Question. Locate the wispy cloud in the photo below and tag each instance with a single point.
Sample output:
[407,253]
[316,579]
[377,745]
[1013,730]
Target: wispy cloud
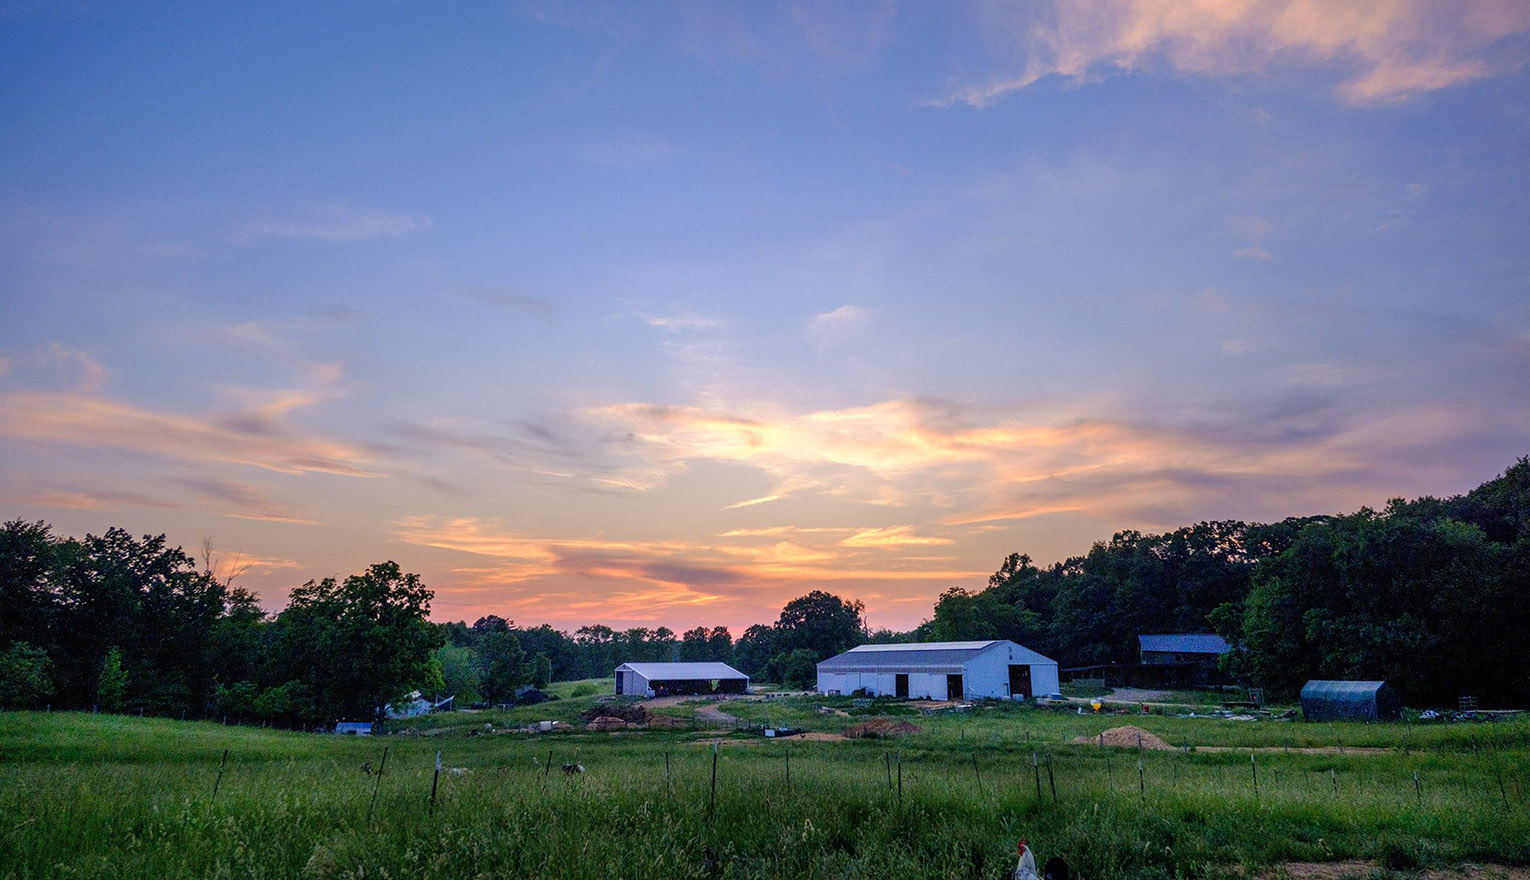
[693,571]
[1379,50]
[512,302]
[255,434]
[814,40]
[90,499]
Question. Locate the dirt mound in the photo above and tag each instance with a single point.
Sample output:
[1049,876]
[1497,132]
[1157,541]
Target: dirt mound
[1128,737]
[881,728]
[633,712]
[606,722]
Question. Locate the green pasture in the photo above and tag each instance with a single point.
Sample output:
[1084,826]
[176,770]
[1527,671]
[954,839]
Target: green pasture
[108,796]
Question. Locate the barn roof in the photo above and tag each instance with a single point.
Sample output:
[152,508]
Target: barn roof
[933,656]
[682,671]
[1185,643]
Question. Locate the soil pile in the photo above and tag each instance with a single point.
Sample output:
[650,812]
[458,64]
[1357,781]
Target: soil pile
[1128,737]
[881,728]
[606,722]
[632,712]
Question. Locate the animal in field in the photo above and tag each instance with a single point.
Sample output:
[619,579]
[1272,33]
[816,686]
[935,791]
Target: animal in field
[1056,868]
[572,769]
[366,768]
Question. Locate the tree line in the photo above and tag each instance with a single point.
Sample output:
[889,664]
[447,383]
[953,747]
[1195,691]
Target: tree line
[1431,594]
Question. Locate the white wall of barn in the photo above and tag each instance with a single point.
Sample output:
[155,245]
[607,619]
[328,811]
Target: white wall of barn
[983,676]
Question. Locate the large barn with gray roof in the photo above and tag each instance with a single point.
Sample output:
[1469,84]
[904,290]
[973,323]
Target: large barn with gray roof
[998,669]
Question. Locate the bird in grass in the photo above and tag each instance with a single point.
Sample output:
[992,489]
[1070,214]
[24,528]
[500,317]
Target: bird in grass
[1056,868]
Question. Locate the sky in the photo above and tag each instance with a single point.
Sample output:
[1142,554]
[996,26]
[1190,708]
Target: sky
[657,314]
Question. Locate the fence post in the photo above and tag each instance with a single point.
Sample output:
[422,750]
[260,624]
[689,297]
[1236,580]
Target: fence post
[1036,769]
[219,781]
[712,804]
[434,782]
[377,784]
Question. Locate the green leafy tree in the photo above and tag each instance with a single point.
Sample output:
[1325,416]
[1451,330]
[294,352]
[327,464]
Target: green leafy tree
[504,667]
[693,645]
[26,676]
[360,643]
[755,648]
[822,623]
[460,672]
[794,669]
[541,671]
[111,686]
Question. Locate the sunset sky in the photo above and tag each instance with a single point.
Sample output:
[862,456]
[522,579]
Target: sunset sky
[663,314]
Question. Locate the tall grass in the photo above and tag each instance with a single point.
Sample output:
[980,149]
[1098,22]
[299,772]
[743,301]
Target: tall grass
[99,796]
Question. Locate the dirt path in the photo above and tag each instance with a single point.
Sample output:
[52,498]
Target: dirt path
[714,712]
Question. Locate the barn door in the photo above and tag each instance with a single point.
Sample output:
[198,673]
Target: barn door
[1020,681]
[900,685]
[954,687]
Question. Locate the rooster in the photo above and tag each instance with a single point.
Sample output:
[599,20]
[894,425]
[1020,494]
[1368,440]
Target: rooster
[1056,868]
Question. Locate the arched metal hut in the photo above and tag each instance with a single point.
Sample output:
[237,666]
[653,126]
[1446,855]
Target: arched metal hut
[1350,701]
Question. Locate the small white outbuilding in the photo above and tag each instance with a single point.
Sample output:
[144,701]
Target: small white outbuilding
[998,669]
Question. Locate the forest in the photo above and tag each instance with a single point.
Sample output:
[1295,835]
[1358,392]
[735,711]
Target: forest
[1429,594]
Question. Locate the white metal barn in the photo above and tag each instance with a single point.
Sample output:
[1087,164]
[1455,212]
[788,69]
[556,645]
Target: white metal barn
[998,669]
[669,679]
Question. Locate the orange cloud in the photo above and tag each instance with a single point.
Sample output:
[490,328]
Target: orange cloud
[253,435]
[1390,49]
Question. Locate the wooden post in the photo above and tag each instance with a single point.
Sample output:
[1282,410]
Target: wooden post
[377,783]
[900,779]
[788,768]
[1501,790]
[975,772]
[434,782]
[1036,768]
[1141,783]
[1051,780]
[548,769]
[1418,789]
[1254,769]
[1333,776]
[887,759]
[712,804]
[667,788]
[219,781]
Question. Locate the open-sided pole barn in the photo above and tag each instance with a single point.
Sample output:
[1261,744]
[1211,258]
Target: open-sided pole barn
[672,679]
[998,669]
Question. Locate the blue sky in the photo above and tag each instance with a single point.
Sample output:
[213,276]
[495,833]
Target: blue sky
[665,313]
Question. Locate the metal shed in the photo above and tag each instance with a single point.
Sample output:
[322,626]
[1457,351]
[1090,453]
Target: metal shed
[1182,648]
[671,679]
[1350,701]
[998,669]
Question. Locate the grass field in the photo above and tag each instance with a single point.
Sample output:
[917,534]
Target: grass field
[108,796]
